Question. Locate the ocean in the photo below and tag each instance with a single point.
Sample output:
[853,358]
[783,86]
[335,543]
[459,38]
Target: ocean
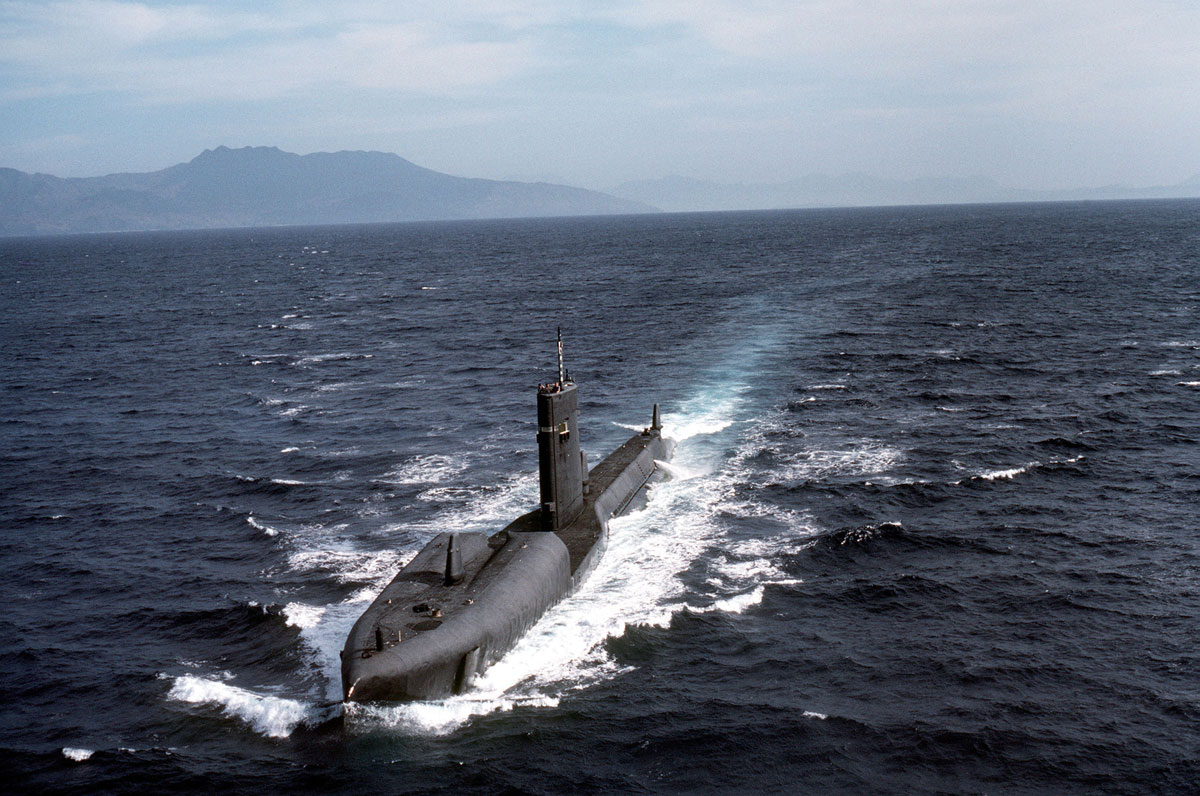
[930,527]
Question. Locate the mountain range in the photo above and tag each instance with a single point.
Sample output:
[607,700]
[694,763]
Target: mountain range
[264,186]
[849,190]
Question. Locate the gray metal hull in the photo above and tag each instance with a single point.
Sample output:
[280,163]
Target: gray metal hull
[448,615]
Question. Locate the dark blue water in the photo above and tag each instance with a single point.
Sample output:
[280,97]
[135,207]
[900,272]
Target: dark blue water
[932,526]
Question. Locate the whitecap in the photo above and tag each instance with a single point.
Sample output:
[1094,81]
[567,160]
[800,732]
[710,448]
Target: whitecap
[1008,473]
[300,615]
[317,359]
[274,717]
[864,458]
[77,754]
[1012,472]
[267,529]
[735,604]
[424,469]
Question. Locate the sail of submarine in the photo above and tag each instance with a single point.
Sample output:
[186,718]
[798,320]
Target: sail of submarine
[466,598]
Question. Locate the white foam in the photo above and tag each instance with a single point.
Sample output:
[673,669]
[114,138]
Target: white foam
[809,714]
[77,754]
[676,472]
[1011,472]
[707,414]
[289,450]
[434,718]
[272,716]
[267,529]
[347,565]
[860,458]
[685,430]
[1166,372]
[424,469]
[303,616]
[1189,384]
[317,359]
[336,386]
[735,604]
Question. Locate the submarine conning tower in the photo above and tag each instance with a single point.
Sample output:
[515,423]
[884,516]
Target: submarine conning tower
[561,469]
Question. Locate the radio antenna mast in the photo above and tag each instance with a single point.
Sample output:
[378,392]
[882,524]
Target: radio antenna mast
[562,374]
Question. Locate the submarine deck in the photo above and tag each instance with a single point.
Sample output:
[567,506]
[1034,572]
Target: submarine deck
[581,535]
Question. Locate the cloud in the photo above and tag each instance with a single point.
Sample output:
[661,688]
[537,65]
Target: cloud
[667,81]
[193,52]
[913,49]
[944,46]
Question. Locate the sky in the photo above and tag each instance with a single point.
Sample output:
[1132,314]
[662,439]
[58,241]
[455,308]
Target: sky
[1038,94]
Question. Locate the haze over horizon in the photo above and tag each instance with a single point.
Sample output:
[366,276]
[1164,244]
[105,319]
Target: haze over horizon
[1030,95]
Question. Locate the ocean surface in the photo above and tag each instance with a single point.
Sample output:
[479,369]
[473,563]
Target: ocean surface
[931,526]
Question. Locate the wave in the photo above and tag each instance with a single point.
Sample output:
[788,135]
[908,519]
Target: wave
[267,529]
[318,359]
[740,603]
[1012,472]
[77,754]
[1008,473]
[852,458]
[424,469]
[274,717]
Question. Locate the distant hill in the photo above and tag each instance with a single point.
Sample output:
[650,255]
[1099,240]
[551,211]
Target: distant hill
[851,190]
[264,186]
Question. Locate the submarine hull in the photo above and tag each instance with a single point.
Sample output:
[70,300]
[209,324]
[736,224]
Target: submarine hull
[467,598]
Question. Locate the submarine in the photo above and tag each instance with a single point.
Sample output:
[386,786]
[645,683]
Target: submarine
[467,597]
